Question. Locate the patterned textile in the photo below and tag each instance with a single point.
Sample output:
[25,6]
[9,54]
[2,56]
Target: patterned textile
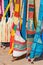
[37,46]
[20,46]
[12,35]
[30,28]
[19,41]
[14,25]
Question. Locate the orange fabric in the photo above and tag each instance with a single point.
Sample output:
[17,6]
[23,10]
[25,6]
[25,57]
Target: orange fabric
[16,14]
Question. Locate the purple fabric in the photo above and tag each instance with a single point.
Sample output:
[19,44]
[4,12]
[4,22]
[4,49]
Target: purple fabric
[18,33]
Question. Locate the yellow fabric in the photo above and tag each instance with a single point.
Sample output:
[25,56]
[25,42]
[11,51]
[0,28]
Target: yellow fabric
[35,18]
[12,32]
[17,7]
[16,21]
[20,13]
[14,1]
[10,51]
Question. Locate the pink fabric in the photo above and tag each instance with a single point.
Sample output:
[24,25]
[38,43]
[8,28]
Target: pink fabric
[3,6]
[11,9]
[0,9]
[18,33]
[0,6]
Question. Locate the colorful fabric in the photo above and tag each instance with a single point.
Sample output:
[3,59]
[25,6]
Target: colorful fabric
[30,28]
[5,5]
[14,25]
[37,46]
[12,35]
[19,41]
[19,44]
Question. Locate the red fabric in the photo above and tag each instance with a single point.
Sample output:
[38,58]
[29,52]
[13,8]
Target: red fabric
[30,15]
[11,41]
[31,5]
[18,1]
[13,25]
[0,16]
[30,32]
[30,43]
[16,14]
[18,42]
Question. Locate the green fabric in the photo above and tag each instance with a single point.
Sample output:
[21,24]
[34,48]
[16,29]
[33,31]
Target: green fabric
[31,9]
[31,1]
[15,27]
[30,35]
[20,47]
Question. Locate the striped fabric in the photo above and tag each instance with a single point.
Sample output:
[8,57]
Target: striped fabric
[20,46]
[31,8]
[30,28]
[19,41]
[37,46]
[14,24]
